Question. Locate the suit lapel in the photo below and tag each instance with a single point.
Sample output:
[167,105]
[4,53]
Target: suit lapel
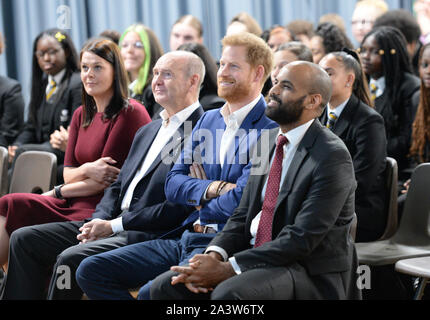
[145,144]
[176,141]
[248,123]
[345,117]
[298,159]
[381,103]
[259,178]
[323,117]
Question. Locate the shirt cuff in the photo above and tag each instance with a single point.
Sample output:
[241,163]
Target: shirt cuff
[116,225]
[219,250]
[235,266]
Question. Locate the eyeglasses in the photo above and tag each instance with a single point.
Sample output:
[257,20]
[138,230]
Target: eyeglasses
[50,52]
[136,45]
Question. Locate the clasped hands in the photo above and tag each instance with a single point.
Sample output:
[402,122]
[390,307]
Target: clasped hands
[204,272]
[216,188]
[59,138]
[94,230]
[102,170]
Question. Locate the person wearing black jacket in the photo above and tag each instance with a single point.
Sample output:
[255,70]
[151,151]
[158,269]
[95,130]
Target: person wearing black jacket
[56,92]
[360,127]
[392,85]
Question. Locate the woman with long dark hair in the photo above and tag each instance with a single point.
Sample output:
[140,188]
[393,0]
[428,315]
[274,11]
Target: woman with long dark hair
[350,116]
[420,147]
[55,95]
[392,83]
[420,142]
[101,133]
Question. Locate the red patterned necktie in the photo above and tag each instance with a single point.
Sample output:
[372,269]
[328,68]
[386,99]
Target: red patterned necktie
[264,231]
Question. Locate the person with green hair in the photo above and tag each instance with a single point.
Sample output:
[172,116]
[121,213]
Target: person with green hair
[140,50]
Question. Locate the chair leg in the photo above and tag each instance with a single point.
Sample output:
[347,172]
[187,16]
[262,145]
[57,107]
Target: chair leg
[420,291]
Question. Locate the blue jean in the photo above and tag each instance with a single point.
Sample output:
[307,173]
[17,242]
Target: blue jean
[110,275]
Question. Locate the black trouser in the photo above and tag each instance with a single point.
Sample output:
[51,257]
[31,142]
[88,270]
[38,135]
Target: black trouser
[33,252]
[257,284]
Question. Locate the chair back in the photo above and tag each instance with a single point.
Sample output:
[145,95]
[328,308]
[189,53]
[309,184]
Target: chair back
[391,177]
[414,225]
[4,167]
[34,172]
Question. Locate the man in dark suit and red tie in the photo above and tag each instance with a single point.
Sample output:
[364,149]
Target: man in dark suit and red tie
[290,236]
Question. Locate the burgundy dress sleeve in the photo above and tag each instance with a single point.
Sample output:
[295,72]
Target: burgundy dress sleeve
[122,133]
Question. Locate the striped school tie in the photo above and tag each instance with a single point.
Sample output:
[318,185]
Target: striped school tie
[373,90]
[331,120]
[52,88]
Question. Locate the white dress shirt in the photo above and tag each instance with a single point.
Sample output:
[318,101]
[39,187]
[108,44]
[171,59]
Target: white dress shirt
[232,121]
[380,85]
[338,110]
[294,137]
[166,131]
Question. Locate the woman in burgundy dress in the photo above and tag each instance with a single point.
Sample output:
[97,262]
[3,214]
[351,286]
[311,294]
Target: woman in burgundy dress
[101,133]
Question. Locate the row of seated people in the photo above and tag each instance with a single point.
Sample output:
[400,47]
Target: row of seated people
[338,95]
[136,231]
[394,94]
[51,106]
[173,211]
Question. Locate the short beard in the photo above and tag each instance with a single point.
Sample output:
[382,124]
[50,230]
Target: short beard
[234,94]
[286,113]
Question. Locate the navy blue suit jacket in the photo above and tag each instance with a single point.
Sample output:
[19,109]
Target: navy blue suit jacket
[204,148]
[150,214]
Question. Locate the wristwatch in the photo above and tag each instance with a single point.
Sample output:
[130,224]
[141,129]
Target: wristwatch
[57,191]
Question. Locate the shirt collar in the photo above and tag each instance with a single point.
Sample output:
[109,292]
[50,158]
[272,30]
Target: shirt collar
[238,116]
[58,77]
[296,135]
[131,85]
[338,110]
[180,116]
[380,84]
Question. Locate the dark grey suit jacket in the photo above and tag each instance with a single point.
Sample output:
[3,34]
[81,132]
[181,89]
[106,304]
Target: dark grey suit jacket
[311,222]
[11,110]
[150,215]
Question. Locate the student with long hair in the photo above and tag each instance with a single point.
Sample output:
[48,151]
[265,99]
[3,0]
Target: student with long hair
[350,116]
[420,142]
[140,49]
[392,85]
[420,147]
[55,95]
[101,133]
